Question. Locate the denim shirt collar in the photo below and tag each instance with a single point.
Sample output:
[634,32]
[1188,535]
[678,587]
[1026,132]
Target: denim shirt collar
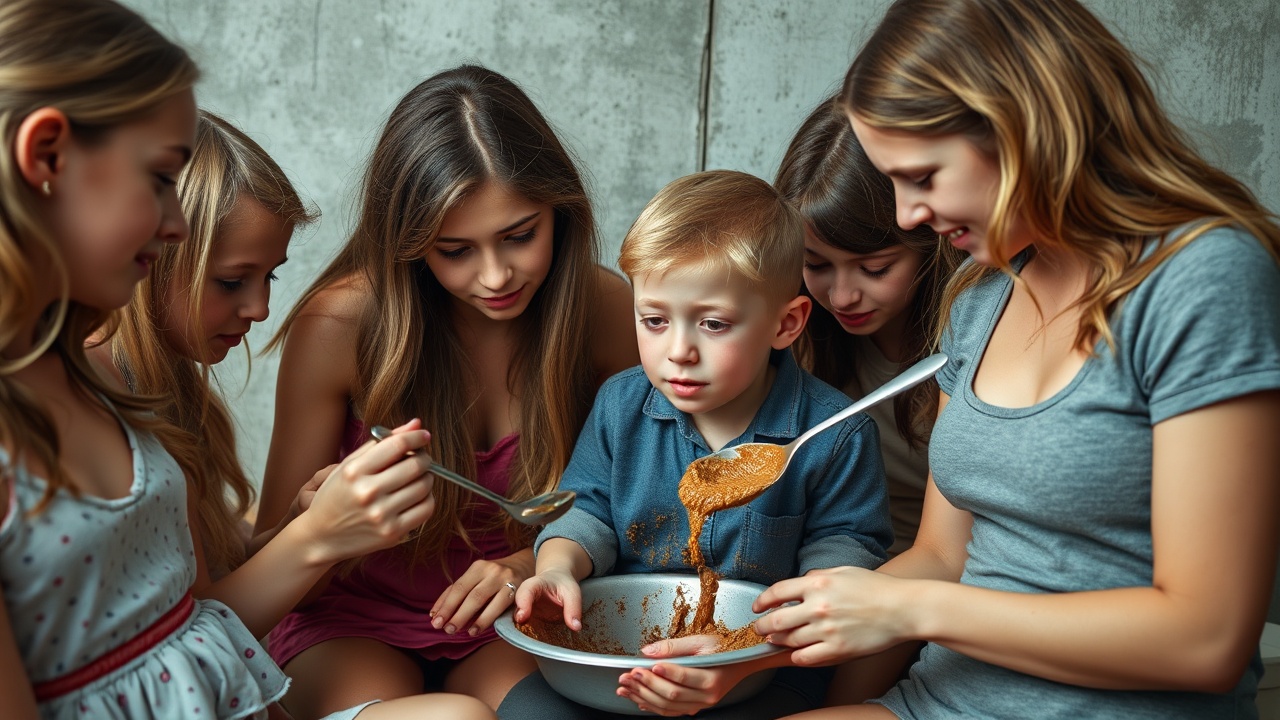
[777,419]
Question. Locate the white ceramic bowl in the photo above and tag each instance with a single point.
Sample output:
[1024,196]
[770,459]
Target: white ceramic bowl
[621,609]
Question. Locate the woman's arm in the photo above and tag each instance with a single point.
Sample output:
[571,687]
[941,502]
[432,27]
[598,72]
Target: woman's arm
[1215,497]
[370,502]
[313,391]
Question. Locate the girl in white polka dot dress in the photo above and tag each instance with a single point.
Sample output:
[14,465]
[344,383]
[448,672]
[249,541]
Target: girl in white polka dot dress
[96,557]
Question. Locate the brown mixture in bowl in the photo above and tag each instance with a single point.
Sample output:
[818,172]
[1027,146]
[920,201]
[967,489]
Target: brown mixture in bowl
[709,484]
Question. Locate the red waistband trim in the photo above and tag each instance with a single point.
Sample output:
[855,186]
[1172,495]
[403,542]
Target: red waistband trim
[114,659]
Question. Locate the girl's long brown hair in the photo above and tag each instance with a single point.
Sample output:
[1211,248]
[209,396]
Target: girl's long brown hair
[103,66]
[1089,160]
[849,205]
[446,137]
[226,165]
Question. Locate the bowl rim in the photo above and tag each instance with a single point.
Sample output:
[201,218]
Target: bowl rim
[507,630]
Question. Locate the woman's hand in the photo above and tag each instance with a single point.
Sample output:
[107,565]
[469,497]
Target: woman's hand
[669,689]
[553,587]
[482,589]
[373,499]
[307,493]
[842,613]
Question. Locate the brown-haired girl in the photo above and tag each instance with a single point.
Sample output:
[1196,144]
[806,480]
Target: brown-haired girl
[1100,532]
[469,295]
[880,286]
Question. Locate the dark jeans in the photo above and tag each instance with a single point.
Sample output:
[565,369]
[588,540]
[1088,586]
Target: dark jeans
[793,690]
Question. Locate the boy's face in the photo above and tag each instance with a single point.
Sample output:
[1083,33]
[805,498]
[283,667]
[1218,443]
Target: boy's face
[704,339]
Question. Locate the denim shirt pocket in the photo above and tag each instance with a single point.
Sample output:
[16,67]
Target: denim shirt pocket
[771,547]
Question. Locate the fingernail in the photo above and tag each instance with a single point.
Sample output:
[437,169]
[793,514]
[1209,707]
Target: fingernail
[437,622]
[432,613]
[449,629]
[576,624]
[472,632]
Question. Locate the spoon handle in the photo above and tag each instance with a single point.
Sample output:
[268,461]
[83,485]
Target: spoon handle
[908,378]
[380,433]
[457,479]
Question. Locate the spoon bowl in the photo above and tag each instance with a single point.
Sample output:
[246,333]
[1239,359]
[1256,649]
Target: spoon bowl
[753,467]
[538,510]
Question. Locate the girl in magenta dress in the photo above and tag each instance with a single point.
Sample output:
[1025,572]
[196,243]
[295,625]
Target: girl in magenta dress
[469,295]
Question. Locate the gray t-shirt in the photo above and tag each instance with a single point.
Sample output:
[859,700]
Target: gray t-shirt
[1060,492]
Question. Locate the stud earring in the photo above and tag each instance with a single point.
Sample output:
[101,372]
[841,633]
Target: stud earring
[44,187]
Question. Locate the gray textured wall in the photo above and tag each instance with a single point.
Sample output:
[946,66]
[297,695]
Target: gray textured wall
[643,92]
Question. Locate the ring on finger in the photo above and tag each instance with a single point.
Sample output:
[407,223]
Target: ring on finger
[511,589]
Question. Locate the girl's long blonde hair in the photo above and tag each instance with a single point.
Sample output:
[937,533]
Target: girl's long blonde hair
[848,204]
[103,66]
[445,138]
[1089,161]
[226,165]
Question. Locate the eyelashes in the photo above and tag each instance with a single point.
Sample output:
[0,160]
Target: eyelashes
[234,285]
[876,273]
[520,239]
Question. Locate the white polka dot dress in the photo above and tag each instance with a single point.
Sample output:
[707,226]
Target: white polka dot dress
[87,575]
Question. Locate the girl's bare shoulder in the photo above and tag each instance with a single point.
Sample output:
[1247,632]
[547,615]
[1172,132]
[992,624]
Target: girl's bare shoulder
[343,300]
[327,325]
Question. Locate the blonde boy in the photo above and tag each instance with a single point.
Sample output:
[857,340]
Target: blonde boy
[715,264]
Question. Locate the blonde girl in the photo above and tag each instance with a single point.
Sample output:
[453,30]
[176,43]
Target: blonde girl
[97,617]
[199,300]
[469,295]
[1100,531]
[878,287]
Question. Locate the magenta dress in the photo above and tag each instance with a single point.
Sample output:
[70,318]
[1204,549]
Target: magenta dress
[386,597]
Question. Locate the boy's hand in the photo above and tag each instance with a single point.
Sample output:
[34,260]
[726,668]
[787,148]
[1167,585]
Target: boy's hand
[557,586]
[671,690]
[481,593]
[681,647]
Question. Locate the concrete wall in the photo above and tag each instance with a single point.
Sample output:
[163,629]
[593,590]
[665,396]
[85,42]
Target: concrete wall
[643,92]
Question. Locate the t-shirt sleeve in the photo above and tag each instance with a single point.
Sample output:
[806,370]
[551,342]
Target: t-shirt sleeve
[966,329]
[1205,326]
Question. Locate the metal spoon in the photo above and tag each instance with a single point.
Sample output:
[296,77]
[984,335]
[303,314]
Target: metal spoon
[534,511]
[768,456]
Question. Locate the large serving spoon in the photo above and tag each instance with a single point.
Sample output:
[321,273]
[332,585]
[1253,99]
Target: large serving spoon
[534,511]
[736,475]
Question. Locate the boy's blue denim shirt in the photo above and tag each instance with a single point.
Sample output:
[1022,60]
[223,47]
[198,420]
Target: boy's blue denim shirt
[828,509]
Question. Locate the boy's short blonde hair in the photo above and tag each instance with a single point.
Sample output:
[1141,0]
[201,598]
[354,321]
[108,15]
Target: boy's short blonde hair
[720,220]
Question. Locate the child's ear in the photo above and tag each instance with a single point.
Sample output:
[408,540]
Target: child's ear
[792,318]
[40,144]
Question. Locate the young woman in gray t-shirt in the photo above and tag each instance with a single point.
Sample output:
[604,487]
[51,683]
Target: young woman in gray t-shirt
[1099,532]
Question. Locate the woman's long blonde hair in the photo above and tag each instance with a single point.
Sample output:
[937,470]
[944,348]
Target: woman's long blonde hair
[446,137]
[848,204]
[103,66]
[226,165]
[1088,159]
